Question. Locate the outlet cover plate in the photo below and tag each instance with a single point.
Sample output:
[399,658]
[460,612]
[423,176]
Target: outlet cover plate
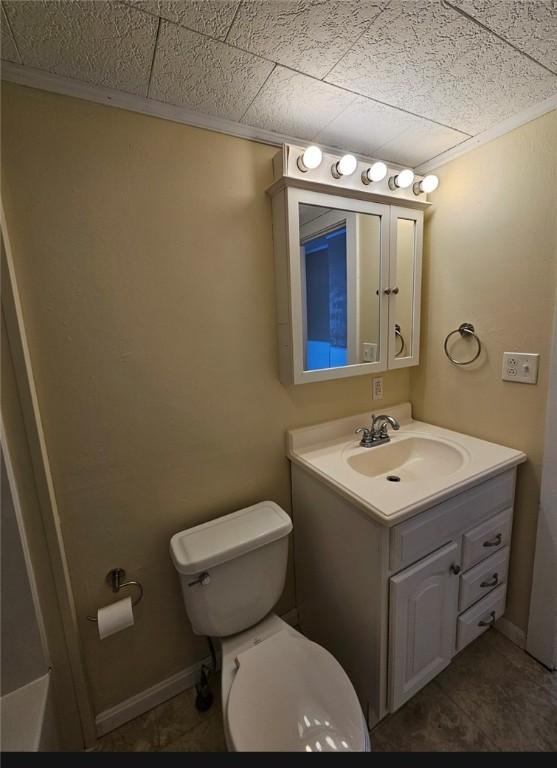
[520,367]
[377,388]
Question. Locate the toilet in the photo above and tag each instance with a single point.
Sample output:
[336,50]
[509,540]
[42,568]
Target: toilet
[280,691]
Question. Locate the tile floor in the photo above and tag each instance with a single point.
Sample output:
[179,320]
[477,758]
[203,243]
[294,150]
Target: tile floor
[492,697]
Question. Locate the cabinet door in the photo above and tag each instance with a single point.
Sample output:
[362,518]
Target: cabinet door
[404,291]
[422,623]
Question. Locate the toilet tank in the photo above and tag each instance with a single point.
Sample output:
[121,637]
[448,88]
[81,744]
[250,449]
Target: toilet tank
[232,569]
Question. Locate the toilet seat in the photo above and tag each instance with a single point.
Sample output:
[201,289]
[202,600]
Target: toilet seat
[291,695]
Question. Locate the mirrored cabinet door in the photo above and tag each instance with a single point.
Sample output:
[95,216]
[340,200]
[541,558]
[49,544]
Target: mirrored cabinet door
[404,290]
[338,264]
[348,281]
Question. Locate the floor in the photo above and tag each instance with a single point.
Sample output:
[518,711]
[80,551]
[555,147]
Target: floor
[492,697]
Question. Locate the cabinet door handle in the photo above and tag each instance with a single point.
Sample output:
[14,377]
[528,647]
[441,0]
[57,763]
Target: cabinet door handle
[455,569]
[495,541]
[489,622]
[492,582]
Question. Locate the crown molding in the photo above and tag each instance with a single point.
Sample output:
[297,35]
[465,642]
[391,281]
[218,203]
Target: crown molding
[521,118]
[46,81]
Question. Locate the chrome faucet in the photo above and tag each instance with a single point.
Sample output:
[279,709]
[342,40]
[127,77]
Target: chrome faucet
[377,434]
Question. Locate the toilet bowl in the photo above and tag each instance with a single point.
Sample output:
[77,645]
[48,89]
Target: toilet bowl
[280,691]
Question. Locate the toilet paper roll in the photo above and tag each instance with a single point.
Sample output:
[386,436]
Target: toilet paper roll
[114,617]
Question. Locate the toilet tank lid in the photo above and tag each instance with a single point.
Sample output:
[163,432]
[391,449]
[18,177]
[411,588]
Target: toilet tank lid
[204,546]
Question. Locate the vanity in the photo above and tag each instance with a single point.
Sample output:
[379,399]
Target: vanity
[401,550]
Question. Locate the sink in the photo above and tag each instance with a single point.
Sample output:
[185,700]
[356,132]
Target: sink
[408,458]
[422,465]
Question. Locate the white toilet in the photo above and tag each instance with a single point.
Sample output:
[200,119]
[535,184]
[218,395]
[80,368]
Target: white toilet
[280,691]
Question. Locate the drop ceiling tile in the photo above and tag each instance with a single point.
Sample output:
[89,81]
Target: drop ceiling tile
[366,125]
[422,141]
[296,105]
[531,26]
[104,43]
[430,60]
[194,71]
[211,17]
[307,35]
[9,50]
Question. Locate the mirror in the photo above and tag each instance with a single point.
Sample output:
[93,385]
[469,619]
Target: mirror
[340,253]
[404,281]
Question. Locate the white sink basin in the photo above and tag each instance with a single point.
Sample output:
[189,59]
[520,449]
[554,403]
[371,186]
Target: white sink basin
[431,463]
[409,458]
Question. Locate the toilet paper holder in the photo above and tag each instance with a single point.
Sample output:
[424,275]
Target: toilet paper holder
[114,579]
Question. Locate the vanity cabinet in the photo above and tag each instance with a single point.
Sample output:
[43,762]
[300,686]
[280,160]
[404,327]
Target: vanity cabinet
[395,604]
[348,284]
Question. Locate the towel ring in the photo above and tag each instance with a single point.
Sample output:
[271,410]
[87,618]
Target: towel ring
[402,342]
[465,329]
[114,579]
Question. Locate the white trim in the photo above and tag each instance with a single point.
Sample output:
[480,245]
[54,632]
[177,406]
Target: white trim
[151,697]
[137,705]
[542,622]
[46,81]
[511,631]
[500,129]
[24,544]
[25,380]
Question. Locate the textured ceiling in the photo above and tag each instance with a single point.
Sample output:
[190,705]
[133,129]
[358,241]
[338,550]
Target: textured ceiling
[404,80]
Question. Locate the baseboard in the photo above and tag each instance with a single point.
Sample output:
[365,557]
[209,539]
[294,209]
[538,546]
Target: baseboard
[151,697]
[511,631]
[291,617]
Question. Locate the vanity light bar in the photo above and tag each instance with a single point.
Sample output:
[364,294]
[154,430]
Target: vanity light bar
[312,157]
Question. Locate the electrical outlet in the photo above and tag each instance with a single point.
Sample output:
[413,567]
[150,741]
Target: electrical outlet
[521,367]
[370,351]
[377,388]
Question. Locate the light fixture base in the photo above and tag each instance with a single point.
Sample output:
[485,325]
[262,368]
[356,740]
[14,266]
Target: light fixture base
[334,171]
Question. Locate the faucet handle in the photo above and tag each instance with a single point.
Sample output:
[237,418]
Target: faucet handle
[367,435]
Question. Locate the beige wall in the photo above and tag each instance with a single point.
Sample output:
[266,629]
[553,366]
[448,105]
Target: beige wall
[144,260]
[490,259]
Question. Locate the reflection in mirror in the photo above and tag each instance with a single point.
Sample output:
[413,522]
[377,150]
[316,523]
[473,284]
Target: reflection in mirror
[404,306]
[340,268]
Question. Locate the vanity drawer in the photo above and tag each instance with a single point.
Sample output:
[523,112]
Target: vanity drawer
[427,531]
[480,580]
[480,617]
[487,538]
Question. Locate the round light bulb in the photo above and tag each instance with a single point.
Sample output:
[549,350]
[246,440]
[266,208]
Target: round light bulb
[429,183]
[404,178]
[377,172]
[347,165]
[311,159]
[344,167]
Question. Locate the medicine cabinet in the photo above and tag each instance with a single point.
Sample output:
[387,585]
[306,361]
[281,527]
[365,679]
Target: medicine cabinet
[348,284]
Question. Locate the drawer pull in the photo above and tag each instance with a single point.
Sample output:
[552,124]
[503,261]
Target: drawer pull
[455,569]
[492,582]
[495,541]
[489,622]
